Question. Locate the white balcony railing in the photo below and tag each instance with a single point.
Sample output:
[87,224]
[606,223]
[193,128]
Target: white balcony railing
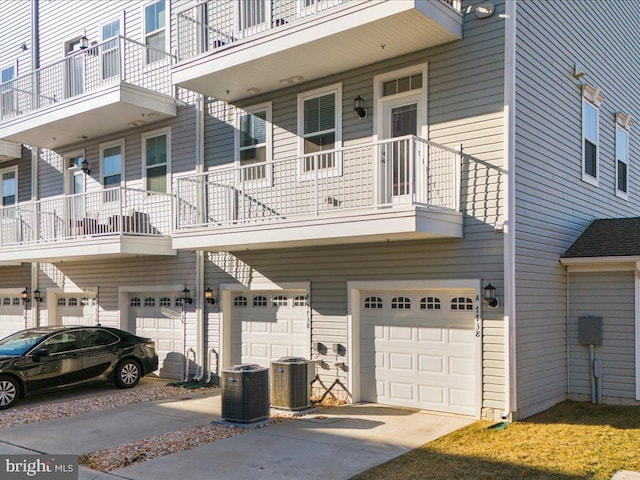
[115,61]
[115,211]
[211,24]
[406,170]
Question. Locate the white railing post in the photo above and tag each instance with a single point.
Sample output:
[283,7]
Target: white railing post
[315,179]
[412,167]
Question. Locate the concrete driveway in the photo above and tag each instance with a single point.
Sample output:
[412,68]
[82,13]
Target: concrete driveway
[332,444]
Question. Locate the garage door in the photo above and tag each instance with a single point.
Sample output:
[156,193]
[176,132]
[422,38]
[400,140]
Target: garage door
[267,326]
[75,309]
[159,317]
[419,350]
[11,315]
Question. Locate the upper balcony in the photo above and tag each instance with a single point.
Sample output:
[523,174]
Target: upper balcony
[400,189]
[232,49]
[96,91]
[116,222]
[9,151]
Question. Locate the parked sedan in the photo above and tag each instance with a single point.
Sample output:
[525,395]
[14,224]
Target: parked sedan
[48,358]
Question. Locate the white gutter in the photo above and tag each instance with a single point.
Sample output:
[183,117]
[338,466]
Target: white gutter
[510,402]
[201,307]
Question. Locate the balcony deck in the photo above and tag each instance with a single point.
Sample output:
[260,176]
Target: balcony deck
[400,189]
[229,52]
[117,222]
[103,89]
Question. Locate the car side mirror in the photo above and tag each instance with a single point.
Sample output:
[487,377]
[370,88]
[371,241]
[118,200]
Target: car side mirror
[41,352]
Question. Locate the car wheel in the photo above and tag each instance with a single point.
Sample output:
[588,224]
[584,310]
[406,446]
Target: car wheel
[9,392]
[127,374]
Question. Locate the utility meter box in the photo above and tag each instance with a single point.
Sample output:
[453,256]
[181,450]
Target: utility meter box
[590,330]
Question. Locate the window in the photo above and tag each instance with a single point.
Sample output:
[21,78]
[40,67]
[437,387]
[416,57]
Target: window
[8,97]
[254,140]
[97,338]
[373,303]
[85,301]
[400,303]
[319,129]
[461,303]
[154,31]
[72,302]
[300,301]
[149,302]
[280,301]
[430,303]
[622,155]
[111,169]
[60,343]
[109,53]
[165,302]
[135,302]
[16,301]
[6,301]
[62,302]
[590,133]
[240,301]
[259,301]
[401,85]
[9,186]
[156,161]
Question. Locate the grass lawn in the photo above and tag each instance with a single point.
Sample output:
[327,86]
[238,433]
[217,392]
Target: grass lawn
[571,441]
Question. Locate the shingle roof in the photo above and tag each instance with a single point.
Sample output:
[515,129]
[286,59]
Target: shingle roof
[614,237]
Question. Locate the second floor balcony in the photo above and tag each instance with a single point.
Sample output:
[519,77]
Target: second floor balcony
[231,49]
[95,91]
[116,222]
[399,189]
[9,150]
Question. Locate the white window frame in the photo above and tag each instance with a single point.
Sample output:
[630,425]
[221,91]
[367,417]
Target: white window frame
[623,134]
[591,98]
[337,169]
[3,171]
[145,34]
[152,134]
[14,65]
[263,107]
[103,147]
[69,171]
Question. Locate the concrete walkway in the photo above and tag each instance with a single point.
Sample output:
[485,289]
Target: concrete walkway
[333,444]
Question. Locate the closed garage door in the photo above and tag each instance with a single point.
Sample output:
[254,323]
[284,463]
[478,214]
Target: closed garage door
[267,326]
[11,315]
[75,309]
[159,317]
[419,350]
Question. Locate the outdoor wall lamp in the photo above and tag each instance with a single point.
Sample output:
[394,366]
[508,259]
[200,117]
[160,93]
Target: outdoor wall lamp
[185,295]
[36,295]
[209,298]
[84,166]
[490,296]
[84,41]
[24,295]
[358,106]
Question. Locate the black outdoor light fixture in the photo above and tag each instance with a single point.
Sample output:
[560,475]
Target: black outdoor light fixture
[209,298]
[490,296]
[358,106]
[24,296]
[36,295]
[84,166]
[185,295]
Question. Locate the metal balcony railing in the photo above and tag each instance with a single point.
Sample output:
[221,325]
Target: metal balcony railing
[212,24]
[115,211]
[115,61]
[401,171]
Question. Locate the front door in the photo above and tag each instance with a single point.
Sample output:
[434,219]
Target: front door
[401,117]
[74,68]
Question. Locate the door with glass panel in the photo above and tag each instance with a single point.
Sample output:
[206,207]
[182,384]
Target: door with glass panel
[75,200]
[8,97]
[109,52]
[10,225]
[73,68]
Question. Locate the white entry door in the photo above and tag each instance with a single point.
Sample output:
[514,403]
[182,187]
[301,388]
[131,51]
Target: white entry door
[266,326]
[418,349]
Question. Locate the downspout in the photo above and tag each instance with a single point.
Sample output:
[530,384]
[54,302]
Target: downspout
[35,152]
[509,211]
[201,317]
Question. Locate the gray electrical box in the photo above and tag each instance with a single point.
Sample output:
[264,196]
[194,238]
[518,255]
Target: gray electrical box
[590,330]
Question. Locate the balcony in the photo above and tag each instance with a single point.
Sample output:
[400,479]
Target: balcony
[116,222]
[9,151]
[230,49]
[103,89]
[401,189]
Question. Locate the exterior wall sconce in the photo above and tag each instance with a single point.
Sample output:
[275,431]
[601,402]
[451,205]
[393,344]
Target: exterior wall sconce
[84,41]
[84,166]
[358,107]
[36,295]
[24,296]
[185,295]
[209,298]
[490,296]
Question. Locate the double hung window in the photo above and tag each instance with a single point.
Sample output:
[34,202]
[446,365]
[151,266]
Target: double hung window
[155,35]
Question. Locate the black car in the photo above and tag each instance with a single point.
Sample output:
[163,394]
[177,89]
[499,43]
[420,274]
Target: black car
[48,358]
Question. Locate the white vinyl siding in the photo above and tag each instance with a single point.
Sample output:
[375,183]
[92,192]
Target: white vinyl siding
[622,162]
[590,142]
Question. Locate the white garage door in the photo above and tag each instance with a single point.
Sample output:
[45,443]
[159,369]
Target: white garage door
[419,350]
[267,326]
[159,317]
[11,315]
[75,309]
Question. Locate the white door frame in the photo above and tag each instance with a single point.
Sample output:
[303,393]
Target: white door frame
[354,290]
[227,290]
[51,295]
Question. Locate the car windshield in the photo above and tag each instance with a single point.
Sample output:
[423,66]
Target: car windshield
[19,343]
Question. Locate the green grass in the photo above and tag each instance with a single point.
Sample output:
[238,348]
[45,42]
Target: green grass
[571,441]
